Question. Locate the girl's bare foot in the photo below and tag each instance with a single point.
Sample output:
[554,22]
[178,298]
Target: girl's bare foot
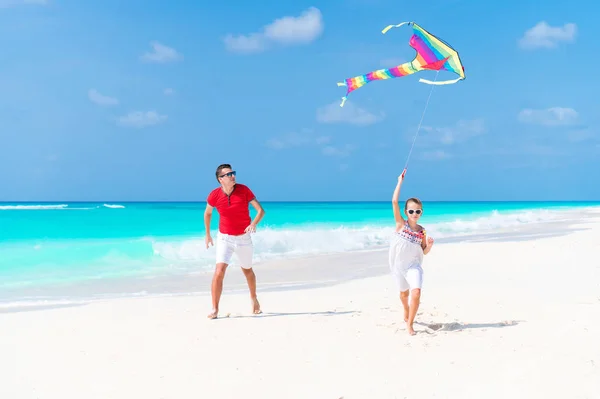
[256,306]
[410,329]
[213,314]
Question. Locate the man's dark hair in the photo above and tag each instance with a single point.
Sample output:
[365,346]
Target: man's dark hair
[220,168]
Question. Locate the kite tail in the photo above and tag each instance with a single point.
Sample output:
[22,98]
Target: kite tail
[444,82]
[401,70]
[346,96]
[394,26]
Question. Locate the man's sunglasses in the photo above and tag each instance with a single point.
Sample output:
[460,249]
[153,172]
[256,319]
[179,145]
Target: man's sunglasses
[228,174]
[411,211]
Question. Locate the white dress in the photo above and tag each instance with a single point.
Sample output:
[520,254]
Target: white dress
[406,258]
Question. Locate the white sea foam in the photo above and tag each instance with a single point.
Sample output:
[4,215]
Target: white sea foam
[156,257]
[494,221]
[53,207]
[26,303]
[116,206]
[31,207]
[278,243]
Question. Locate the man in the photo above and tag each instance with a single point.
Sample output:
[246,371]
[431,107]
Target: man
[231,201]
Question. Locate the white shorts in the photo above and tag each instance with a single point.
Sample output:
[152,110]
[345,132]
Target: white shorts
[241,245]
[410,278]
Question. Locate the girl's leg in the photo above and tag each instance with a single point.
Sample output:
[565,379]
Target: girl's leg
[415,300]
[404,300]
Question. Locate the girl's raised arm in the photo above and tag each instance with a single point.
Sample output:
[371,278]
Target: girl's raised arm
[397,214]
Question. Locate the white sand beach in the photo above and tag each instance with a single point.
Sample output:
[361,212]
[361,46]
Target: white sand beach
[516,318]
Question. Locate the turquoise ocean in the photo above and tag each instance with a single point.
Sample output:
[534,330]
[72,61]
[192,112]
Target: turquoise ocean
[55,243]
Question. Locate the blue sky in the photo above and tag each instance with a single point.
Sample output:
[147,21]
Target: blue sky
[141,100]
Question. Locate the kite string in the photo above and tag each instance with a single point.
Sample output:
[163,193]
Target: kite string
[421,121]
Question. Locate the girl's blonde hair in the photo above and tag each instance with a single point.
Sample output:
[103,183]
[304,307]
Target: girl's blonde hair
[415,200]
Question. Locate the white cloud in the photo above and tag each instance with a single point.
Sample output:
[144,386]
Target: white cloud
[436,155]
[288,140]
[168,91]
[543,35]
[252,43]
[463,130]
[287,30]
[100,99]
[323,140]
[339,151]
[293,139]
[161,54]
[140,119]
[555,116]
[349,113]
[306,138]
[291,30]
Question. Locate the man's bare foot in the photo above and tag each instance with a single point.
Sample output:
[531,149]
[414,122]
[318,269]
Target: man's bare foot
[213,314]
[410,329]
[256,306]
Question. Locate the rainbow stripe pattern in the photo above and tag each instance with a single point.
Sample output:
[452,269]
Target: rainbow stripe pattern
[432,54]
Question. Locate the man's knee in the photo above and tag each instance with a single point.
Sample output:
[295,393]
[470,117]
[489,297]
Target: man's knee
[220,270]
[415,293]
[404,294]
[248,272]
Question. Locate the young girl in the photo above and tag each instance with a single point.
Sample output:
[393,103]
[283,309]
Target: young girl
[407,247]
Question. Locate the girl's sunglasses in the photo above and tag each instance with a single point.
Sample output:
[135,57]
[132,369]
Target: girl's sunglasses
[411,211]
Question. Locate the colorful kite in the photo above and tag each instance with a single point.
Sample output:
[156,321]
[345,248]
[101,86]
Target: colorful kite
[432,54]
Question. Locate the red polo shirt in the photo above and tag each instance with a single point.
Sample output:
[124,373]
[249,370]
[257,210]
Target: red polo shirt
[234,215]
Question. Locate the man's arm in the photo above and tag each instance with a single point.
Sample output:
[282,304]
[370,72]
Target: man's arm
[207,215]
[260,212]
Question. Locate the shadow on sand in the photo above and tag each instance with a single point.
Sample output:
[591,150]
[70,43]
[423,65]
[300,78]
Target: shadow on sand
[276,314]
[456,326]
